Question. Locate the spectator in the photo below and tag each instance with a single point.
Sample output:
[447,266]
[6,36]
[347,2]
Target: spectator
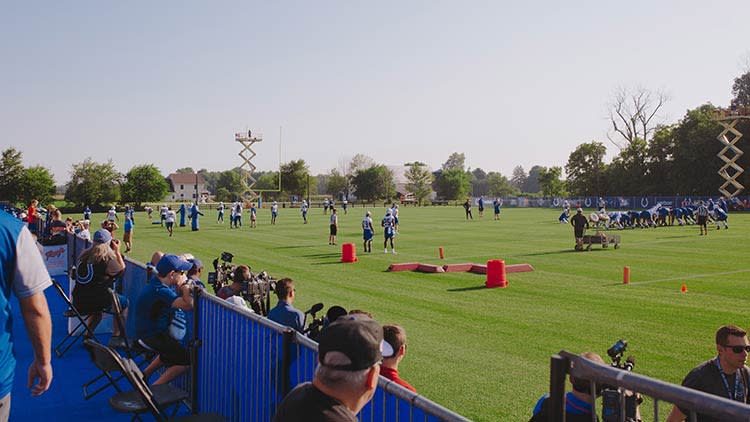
[57,234]
[349,354]
[85,233]
[97,268]
[110,226]
[194,275]
[360,312]
[725,376]
[32,215]
[394,349]
[579,223]
[238,301]
[241,275]
[284,313]
[22,271]
[334,313]
[577,402]
[157,307]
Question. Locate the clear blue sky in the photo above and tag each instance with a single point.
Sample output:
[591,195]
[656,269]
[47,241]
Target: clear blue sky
[506,83]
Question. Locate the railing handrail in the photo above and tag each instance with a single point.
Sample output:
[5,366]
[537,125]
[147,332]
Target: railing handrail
[683,397]
[385,384]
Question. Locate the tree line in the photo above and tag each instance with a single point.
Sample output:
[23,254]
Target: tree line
[653,159]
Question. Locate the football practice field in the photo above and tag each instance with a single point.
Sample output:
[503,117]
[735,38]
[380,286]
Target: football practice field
[484,353]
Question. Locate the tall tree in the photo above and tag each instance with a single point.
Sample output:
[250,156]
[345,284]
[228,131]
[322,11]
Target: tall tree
[37,183]
[549,181]
[294,177]
[144,183]
[499,185]
[230,186]
[420,181]
[518,179]
[188,170]
[93,183]
[336,183]
[452,184]
[585,169]
[532,181]
[741,90]
[374,183]
[628,172]
[455,161]
[632,113]
[11,173]
[660,151]
[478,178]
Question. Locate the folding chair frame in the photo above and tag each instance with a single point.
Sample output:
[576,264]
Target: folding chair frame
[72,337]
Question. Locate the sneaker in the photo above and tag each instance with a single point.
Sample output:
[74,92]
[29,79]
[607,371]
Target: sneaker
[385,250]
[117,342]
[393,251]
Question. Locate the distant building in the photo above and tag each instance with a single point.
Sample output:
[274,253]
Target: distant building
[401,182]
[184,186]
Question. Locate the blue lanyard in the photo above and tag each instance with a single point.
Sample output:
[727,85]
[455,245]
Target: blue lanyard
[733,395]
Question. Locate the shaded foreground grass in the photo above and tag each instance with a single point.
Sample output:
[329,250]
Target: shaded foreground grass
[484,353]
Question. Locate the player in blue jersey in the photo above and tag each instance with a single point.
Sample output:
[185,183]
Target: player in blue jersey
[389,231]
[720,216]
[367,232]
[497,204]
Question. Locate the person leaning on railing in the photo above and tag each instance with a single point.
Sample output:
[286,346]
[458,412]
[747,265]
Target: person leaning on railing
[394,349]
[158,312]
[577,402]
[349,355]
[284,313]
[725,375]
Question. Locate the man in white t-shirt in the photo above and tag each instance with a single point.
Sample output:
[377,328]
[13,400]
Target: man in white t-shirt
[22,271]
[169,218]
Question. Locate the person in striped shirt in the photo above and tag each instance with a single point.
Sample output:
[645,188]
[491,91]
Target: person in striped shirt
[702,213]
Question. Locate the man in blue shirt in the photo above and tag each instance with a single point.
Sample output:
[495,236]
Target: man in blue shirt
[156,308]
[284,313]
[22,271]
[577,402]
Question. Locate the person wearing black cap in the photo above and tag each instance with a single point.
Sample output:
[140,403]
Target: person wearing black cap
[159,310]
[579,223]
[349,356]
[96,270]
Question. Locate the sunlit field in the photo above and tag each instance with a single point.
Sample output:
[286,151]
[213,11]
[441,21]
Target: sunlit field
[484,353]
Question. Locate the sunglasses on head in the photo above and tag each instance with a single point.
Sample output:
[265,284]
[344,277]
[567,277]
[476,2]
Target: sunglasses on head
[739,349]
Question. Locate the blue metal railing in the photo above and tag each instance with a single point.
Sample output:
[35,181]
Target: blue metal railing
[245,364]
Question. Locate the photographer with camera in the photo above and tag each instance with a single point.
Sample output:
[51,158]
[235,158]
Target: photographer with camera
[240,276]
[284,313]
[577,402]
[725,375]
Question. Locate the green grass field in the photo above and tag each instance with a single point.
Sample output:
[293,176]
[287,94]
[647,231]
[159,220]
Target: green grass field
[484,353]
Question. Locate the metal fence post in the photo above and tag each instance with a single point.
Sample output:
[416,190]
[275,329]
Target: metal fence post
[196,343]
[286,360]
[558,369]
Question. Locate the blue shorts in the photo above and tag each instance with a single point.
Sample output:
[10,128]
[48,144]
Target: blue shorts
[367,234]
[388,232]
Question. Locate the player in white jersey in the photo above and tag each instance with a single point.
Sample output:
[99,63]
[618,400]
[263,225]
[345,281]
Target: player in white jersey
[304,210]
[367,232]
[169,218]
[389,231]
[112,214]
[334,227]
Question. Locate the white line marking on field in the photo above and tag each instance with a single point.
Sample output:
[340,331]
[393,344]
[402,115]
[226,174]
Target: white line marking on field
[689,277]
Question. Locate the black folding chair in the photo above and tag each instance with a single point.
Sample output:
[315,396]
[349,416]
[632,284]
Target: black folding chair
[72,337]
[155,400]
[132,351]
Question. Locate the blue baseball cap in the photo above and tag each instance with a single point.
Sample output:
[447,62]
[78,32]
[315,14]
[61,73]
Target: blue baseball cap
[196,263]
[169,263]
[102,236]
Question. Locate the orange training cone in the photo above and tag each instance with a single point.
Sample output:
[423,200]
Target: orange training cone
[442,253]
[626,275]
[683,288]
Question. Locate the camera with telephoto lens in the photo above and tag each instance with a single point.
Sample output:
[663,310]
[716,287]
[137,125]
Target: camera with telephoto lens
[222,274]
[257,290]
[611,395]
[315,326]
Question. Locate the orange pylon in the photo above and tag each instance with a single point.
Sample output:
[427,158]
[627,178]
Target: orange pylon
[683,288]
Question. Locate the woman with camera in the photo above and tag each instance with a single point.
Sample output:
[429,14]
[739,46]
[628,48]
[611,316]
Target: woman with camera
[97,268]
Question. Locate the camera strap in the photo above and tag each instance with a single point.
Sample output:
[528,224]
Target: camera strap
[738,394]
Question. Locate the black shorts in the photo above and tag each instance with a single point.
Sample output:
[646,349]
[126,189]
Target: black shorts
[333,229]
[171,351]
[702,220]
